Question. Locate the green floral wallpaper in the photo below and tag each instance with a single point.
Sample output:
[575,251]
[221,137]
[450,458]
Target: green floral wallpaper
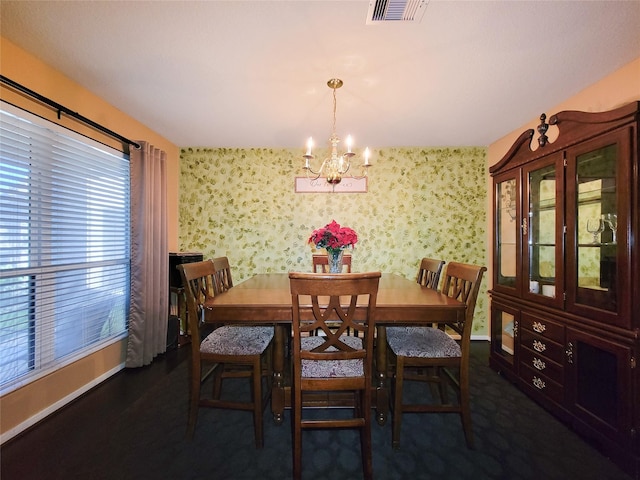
[421,202]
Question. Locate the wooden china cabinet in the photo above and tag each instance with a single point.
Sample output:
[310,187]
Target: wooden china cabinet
[565,303]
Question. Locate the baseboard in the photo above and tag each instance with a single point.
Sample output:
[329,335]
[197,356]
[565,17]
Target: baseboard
[481,338]
[9,434]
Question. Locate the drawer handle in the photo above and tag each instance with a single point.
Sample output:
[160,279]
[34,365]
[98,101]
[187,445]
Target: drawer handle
[539,346]
[569,352]
[539,364]
[538,383]
[539,327]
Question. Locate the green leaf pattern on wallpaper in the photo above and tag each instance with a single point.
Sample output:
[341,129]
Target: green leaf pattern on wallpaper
[421,202]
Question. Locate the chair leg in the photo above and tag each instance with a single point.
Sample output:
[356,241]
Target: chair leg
[218,373]
[365,436]
[442,385]
[268,356]
[194,398]
[256,394]
[465,412]
[296,418]
[397,402]
[267,374]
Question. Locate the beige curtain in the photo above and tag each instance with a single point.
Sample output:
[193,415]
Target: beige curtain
[148,312]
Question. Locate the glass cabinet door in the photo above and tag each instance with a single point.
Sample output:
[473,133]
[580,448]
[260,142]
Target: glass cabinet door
[542,230]
[597,264]
[506,231]
[504,334]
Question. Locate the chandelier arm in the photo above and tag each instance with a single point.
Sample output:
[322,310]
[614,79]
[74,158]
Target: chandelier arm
[315,175]
[319,172]
[365,172]
[347,163]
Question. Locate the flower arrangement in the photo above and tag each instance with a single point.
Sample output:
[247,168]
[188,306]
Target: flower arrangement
[333,237]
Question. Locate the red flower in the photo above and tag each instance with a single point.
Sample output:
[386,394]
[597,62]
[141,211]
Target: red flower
[333,237]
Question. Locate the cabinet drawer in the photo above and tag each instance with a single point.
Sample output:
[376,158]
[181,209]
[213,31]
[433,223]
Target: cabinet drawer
[544,327]
[542,364]
[541,345]
[541,383]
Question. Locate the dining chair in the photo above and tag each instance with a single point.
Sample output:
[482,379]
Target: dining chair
[413,348]
[222,278]
[428,276]
[429,272]
[333,360]
[227,351]
[321,263]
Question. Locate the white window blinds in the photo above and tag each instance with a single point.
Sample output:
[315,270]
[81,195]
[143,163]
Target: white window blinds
[64,246]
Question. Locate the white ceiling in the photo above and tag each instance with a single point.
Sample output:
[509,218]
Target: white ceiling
[254,73]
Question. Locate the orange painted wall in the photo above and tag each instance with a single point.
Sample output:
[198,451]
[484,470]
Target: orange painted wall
[614,90]
[28,404]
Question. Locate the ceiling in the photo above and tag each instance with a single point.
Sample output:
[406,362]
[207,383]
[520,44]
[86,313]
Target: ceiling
[254,73]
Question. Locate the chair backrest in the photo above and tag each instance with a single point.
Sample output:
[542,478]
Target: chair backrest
[198,279]
[223,280]
[429,272]
[462,282]
[321,263]
[328,303]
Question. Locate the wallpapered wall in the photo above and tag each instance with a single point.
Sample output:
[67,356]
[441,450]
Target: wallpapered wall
[421,202]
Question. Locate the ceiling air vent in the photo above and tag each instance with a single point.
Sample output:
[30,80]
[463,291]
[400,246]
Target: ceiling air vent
[396,11]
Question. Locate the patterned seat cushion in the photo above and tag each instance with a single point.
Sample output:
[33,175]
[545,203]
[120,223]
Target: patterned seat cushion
[331,368]
[422,342]
[237,340]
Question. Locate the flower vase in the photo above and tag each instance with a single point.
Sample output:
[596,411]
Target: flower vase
[335,260]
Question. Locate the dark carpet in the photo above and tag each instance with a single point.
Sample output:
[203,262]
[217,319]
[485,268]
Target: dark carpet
[132,427]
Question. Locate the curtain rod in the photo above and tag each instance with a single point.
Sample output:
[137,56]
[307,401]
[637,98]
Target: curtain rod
[66,111]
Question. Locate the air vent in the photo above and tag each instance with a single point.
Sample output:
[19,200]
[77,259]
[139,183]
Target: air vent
[396,11]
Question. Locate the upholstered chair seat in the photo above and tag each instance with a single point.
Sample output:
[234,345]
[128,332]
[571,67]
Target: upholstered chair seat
[424,342]
[237,340]
[331,368]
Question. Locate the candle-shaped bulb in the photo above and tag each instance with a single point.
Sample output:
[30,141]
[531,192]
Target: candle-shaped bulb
[349,143]
[366,156]
[309,145]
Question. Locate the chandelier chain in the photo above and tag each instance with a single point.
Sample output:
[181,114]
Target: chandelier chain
[335,103]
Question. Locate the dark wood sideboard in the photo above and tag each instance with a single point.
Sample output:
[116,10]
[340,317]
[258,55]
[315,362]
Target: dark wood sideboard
[565,303]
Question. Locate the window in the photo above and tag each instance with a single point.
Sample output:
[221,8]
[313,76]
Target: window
[64,246]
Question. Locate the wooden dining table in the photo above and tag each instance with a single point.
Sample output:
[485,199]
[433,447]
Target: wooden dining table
[265,299]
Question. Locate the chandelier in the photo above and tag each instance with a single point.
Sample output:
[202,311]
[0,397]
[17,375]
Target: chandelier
[336,166]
